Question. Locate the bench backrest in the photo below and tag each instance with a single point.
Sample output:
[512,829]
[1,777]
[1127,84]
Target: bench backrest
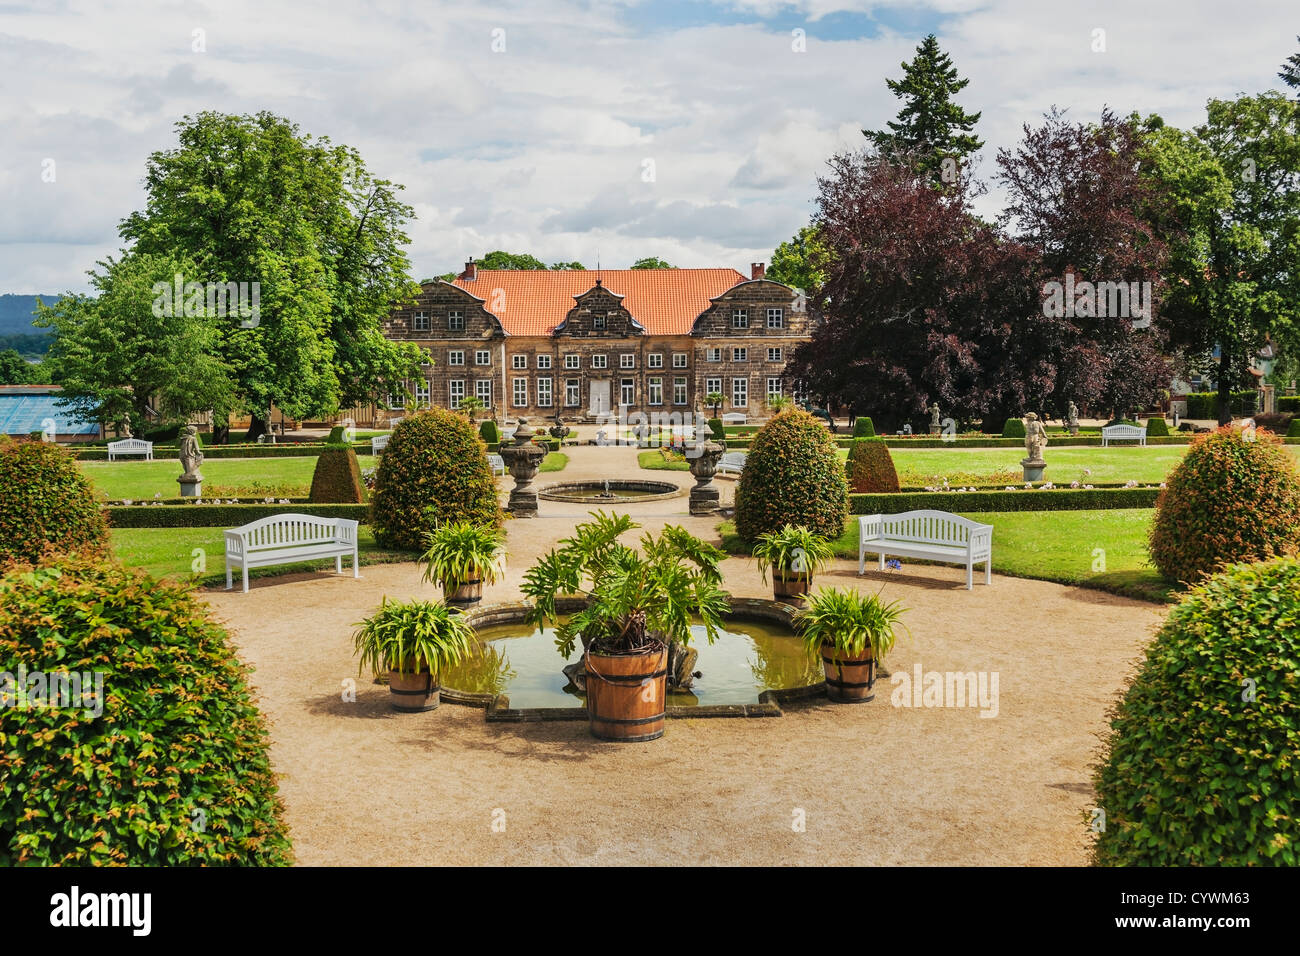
[1123,431]
[379,442]
[130,444]
[734,458]
[496,461]
[930,527]
[733,417]
[290,530]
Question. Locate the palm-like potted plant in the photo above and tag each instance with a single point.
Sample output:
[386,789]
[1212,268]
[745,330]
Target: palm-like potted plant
[852,632]
[793,554]
[462,557]
[471,405]
[638,603]
[413,642]
[714,399]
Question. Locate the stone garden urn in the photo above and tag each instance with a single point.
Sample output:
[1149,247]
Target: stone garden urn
[523,458]
[559,430]
[705,497]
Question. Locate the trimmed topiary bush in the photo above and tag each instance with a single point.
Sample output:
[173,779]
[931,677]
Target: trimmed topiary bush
[1294,430]
[157,758]
[338,435]
[870,468]
[1014,428]
[433,471]
[1201,769]
[337,478]
[489,432]
[46,503]
[718,430]
[1228,500]
[792,475]
[1157,427]
[863,427]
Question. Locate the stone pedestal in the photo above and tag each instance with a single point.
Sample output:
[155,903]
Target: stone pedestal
[1033,468]
[705,498]
[191,488]
[935,429]
[522,459]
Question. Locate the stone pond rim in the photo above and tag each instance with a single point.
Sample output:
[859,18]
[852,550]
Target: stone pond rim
[621,489]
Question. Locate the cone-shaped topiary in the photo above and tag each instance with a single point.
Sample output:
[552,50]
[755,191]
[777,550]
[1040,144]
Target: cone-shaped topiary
[337,435]
[1294,430]
[489,432]
[718,430]
[870,467]
[864,427]
[1157,428]
[1014,428]
[1228,500]
[433,471]
[1201,768]
[46,503]
[337,478]
[140,744]
[792,475]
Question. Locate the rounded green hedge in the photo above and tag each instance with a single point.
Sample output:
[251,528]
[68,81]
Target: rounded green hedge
[1293,431]
[46,504]
[1228,500]
[433,471]
[870,468]
[337,477]
[864,427]
[792,475]
[489,432]
[161,760]
[1014,428]
[1157,427]
[1202,768]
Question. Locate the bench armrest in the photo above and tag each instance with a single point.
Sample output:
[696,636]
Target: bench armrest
[870,526]
[345,531]
[235,543]
[981,539]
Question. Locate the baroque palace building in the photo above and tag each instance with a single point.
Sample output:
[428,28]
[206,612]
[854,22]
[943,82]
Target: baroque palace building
[586,345]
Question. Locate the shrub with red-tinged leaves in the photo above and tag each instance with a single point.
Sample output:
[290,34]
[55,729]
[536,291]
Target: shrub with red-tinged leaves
[1229,500]
[793,476]
[46,503]
[165,766]
[870,468]
[434,471]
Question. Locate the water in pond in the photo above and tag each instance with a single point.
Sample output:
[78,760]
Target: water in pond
[747,658]
[583,494]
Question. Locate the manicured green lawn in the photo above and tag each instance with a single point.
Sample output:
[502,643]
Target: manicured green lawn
[171,552]
[1098,549]
[555,461]
[655,461]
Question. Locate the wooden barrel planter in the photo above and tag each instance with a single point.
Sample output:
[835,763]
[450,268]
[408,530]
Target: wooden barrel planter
[849,677]
[471,592]
[413,692]
[793,588]
[626,695]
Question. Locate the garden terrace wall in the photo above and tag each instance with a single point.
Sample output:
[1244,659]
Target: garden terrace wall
[221,516]
[1065,499]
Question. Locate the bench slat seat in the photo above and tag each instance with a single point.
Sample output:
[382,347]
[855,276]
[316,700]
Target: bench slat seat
[1110,433]
[931,535]
[130,446]
[288,539]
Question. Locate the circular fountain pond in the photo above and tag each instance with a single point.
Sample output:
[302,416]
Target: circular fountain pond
[756,651]
[611,490]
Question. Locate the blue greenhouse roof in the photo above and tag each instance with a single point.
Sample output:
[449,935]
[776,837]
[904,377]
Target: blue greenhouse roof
[24,414]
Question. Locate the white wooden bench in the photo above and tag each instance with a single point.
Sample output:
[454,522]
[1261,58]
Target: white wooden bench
[378,443]
[287,539]
[930,535]
[497,464]
[733,418]
[731,463]
[130,446]
[1110,433]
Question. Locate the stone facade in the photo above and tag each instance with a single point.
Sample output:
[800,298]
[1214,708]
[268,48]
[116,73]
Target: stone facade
[599,355]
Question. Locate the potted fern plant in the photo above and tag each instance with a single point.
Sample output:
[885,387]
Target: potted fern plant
[413,642]
[638,603]
[461,557]
[852,632]
[793,555]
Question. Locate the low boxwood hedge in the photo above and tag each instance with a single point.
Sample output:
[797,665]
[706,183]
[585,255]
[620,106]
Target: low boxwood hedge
[221,516]
[1064,499]
[1206,404]
[1288,403]
[291,450]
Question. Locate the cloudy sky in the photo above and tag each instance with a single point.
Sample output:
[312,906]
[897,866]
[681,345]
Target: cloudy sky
[693,131]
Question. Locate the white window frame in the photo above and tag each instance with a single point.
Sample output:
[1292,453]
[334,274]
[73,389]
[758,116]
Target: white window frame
[572,393]
[776,354]
[598,321]
[740,318]
[453,399]
[422,393]
[482,356]
[456,357]
[778,390]
[713,385]
[655,360]
[681,387]
[742,391]
[740,354]
[455,320]
[624,385]
[518,388]
[483,391]
[627,360]
[420,321]
[572,361]
[519,362]
[655,383]
[600,361]
[679,360]
[779,315]
[543,362]
[544,388]
[713,355]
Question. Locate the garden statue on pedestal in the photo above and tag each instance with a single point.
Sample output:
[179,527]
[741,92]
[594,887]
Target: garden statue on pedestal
[1072,419]
[523,458]
[1035,442]
[935,426]
[191,481]
[705,497]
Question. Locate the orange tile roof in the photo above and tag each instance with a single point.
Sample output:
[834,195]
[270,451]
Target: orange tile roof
[534,302]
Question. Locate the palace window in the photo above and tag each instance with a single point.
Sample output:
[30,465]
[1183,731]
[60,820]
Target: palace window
[679,360]
[655,360]
[519,361]
[455,392]
[774,355]
[775,317]
[655,386]
[420,322]
[456,321]
[521,393]
[573,360]
[627,360]
[679,390]
[739,393]
[712,385]
[740,355]
[598,320]
[483,391]
[600,361]
[627,391]
[543,361]
[571,393]
[422,394]
[713,355]
[482,357]
[740,318]
[456,358]
[544,392]
[773,388]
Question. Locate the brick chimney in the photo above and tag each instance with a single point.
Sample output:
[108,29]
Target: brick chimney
[757,270]
[471,270]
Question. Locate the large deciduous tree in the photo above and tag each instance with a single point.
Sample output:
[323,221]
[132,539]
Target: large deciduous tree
[800,261]
[252,199]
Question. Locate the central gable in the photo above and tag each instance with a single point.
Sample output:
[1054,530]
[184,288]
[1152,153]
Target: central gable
[599,313]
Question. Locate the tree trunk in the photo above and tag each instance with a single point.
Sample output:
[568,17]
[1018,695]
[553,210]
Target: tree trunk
[256,428]
[1225,386]
[220,434]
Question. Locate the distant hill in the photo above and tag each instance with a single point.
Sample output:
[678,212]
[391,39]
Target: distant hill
[17,312]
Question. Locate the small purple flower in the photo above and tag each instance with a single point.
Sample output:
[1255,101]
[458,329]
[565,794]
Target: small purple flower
[894,564]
